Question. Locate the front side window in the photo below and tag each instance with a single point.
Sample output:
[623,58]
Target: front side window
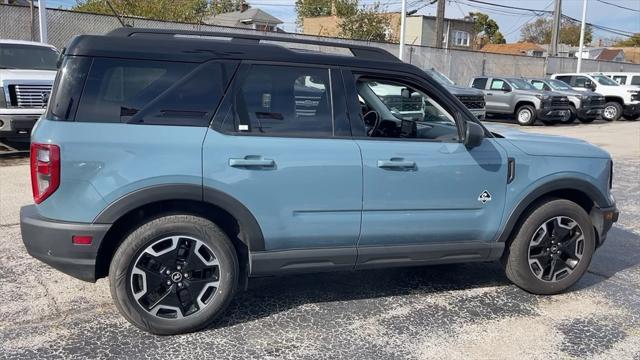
[30,57]
[392,109]
[284,101]
[461,38]
[498,84]
[581,81]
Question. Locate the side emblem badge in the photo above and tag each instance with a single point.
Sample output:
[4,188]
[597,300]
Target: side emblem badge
[484,197]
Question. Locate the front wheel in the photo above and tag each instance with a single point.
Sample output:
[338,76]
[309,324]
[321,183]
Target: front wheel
[526,115]
[552,248]
[573,115]
[174,274]
[612,111]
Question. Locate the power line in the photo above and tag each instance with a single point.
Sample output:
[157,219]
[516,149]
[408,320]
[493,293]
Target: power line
[619,6]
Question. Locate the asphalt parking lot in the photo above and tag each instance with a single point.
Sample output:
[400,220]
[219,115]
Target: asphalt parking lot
[454,311]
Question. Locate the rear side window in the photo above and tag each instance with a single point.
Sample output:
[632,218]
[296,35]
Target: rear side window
[565,78]
[151,92]
[284,101]
[635,80]
[479,83]
[68,87]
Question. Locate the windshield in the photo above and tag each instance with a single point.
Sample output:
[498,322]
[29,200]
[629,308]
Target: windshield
[558,85]
[603,80]
[31,57]
[521,84]
[440,77]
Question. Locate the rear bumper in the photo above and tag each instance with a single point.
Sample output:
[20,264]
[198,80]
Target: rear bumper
[50,242]
[17,126]
[603,219]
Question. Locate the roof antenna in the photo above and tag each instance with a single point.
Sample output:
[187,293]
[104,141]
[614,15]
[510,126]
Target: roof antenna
[116,14]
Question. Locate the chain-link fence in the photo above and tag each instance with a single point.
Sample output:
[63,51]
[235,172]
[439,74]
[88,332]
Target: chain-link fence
[16,22]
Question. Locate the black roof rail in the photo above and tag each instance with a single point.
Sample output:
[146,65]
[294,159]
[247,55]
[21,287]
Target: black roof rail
[359,51]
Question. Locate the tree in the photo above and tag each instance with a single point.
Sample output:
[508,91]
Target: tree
[483,24]
[171,10]
[633,40]
[539,32]
[365,23]
[316,8]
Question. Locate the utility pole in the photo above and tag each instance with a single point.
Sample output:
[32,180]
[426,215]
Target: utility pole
[440,24]
[42,20]
[582,27]
[555,31]
[403,20]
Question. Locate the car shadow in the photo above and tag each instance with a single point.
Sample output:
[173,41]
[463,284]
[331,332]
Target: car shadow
[271,295]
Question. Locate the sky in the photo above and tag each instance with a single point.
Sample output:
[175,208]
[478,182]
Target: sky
[510,21]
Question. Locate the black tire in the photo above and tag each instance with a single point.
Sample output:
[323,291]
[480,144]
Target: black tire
[517,254]
[612,111]
[527,119]
[573,115]
[185,228]
[632,117]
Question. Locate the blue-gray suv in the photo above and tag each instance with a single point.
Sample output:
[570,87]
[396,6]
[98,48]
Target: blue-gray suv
[180,164]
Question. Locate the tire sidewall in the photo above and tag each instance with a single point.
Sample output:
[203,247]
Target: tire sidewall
[519,249]
[137,241]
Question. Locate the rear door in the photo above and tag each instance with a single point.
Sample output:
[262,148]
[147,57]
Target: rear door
[282,147]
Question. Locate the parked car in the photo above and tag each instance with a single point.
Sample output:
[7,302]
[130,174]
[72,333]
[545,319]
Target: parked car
[584,106]
[472,98]
[621,100]
[515,96]
[27,70]
[180,165]
[624,78]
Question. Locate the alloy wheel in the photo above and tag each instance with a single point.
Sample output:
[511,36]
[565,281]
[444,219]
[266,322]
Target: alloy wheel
[524,116]
[175,277]
[556,248]
[609,112]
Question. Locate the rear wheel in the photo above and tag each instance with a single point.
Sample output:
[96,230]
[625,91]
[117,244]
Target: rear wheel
[174,274]
[612,111]
[573,115]
[526,115]
[552,248]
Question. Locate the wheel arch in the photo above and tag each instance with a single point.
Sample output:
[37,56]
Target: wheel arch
[521,103]
[137,207]
[617,99]
[580,191]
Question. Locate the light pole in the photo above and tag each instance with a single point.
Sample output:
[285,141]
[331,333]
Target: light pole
[403,20]
[582,28]
[42,20]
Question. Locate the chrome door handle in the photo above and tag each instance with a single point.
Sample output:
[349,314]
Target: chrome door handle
[251,162]
[396,164]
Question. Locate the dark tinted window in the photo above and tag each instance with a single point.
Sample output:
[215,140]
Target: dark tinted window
[68,87]
[635,80]
[279,100]
[565,78]
[479,83]
[18,56]
[150,92]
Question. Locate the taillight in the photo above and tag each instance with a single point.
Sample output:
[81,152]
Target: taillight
[45,170]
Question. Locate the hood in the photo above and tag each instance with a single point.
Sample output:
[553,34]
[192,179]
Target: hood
[548,145]
[17,75]
[459,90]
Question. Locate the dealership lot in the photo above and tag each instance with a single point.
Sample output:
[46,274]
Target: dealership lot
[431,312]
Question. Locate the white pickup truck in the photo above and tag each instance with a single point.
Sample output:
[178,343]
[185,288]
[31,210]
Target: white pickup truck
[27,71]
[621,100]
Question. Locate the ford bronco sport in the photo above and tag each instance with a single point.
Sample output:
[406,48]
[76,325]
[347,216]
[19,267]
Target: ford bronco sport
[180,164]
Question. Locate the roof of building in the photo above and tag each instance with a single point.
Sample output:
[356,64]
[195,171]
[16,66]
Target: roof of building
[251,15]
[512,49]
[609,54]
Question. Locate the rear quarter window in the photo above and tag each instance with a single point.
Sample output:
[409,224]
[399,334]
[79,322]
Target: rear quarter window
[67,88]
[151,92]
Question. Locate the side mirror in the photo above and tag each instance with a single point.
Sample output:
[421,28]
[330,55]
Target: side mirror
[405,93]
[590,85]
[473,135]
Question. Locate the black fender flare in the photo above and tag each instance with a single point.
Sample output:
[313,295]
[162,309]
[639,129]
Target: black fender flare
[572,183]
[250,232]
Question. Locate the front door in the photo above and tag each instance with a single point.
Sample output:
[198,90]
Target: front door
[498,96]
[422,186]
